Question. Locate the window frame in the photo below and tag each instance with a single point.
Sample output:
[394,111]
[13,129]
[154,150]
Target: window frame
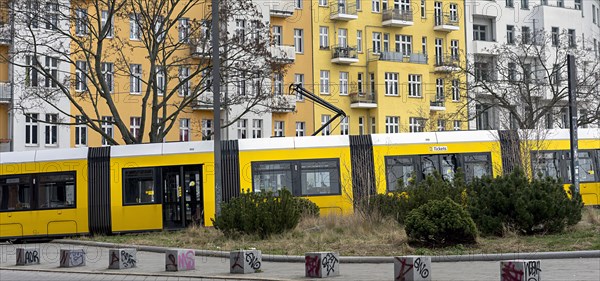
[34,195]
[155,179]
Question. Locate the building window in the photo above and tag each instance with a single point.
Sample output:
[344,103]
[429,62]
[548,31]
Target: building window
[31,71]
[577,4]
[279,128]
[372,83]
[278,87]
[242,129]
[277,35]
[510,3]
[594,14]
[160,81]
[135,79]
[343,83]
[138,186]
[51,129]
[207,132]
[376,42]
[327,130]
[386,42]
[134,126]
[299,40]
[343,37]
[415,124]
[456,126]
[80,76]
[454,50]
[482,115]
[359,42]
[391,84]
[510,34]
[184,82]
[184,30]
[80,131]
[52,69]
[375,7]
[441,125]
[572,38]
[52,15]
[360,83]
[555,74]
[555,36]
[414,85]
[345,126]
[404,45]
[358,5]
[525,35]
[298,4]
[109,75]
[134,27]
[324,37]
[524,4]
[439,89]
[110,30]
[324,82]
[361,125]
[31,129]
[299,79]
[479,32]
[423,10]
[392,124]
[184,129]
[257,128]
[453,12]
[482,71]
[107,128]
[81,22]
[322,2]
[300,127]
[373,126]
[424,45]
[455,90]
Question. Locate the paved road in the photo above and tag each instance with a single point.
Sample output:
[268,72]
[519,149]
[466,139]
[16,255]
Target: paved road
[151,267]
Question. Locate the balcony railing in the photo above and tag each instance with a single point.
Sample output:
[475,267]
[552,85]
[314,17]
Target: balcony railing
[447,62]
[342,10]
[201,49]
[362,100]
[283,53]
[5,92]
[397,17]
[282,8]
[283,103]
[437,105]
[402,57]
[446,22]
[344,54]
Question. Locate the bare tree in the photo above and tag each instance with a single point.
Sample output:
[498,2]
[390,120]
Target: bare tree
[525,83]
[169,38]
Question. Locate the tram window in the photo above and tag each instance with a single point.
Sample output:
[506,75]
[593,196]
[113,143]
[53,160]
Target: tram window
[586,166]
[272,176]
[476,166]
[15,193]
[545,164]
[320,177]
[399,172]
[429,165]
[448,166]
[55,191]
[138,186]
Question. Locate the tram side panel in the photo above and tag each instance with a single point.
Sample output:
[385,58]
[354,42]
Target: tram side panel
[43,199]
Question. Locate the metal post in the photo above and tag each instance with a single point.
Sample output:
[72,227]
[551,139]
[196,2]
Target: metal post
[573,122]
[216,80]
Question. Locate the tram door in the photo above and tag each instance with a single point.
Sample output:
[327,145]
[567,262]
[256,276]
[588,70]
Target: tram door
[182,196]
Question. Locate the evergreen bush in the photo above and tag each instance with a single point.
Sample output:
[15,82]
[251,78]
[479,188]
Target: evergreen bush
[307,207]
[440,223]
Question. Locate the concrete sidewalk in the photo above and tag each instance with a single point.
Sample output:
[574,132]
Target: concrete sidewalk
[153,264]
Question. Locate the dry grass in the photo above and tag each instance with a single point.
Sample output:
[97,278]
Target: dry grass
[355,235]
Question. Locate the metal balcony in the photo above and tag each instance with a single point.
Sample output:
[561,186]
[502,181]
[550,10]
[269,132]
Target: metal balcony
[397,18]
[401,57]
[204,102]
[5,95]
[283,103]
[201,50]
[343,11]
[447,63]
[281,8]
[344,54]
[362,100]
[437,105]
[446,23]
[283,54]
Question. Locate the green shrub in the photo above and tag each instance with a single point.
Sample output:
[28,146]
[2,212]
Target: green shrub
[261,214]
[440,223]
[307,207]
[514,202]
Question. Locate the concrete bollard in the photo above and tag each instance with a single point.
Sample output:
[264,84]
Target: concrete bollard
[122,258]
[180,260]
[520,270]
[72,258]
[322,264]
[28,256]
[412,268]
[245,261]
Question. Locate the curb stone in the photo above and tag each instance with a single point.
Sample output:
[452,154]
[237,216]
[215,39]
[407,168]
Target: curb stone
[357,259]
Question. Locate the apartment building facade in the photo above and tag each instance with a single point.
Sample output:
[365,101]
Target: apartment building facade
[512,22]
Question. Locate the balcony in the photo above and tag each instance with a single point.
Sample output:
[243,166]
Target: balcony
[447,63]
[204,102]
[437,105]
[283,103]
[5,37]
[344,55]
[397,18]
[343,11]
[283,54]
[401,57]
[281,8]
[446,23]
[484,46]
[201,50]
[362,100]
[5,92]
